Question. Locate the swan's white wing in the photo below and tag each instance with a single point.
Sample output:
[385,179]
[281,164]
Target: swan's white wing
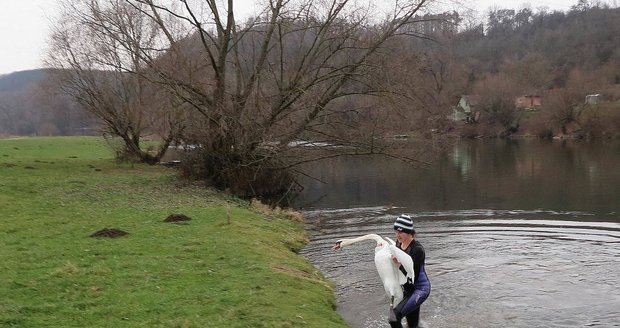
[406,261]
[388,273]
[390,241]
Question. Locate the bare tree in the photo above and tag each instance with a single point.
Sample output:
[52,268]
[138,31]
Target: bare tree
[256,90]
[425,76]
[497,95]
[62,113]
[564,107]
[531,73]
[95,51]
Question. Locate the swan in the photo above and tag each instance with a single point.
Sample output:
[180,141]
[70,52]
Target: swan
[389,273]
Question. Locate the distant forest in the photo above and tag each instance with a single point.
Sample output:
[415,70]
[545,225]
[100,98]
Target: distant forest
[560,56]
[556,42]
[30,105]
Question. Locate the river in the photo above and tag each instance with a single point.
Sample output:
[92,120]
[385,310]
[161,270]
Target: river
[518,233]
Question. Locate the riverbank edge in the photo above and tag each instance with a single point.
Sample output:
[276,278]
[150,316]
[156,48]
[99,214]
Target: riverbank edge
[58,174]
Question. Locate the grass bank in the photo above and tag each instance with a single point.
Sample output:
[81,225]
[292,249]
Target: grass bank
[232,265]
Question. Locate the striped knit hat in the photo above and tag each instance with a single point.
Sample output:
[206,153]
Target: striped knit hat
[404,223]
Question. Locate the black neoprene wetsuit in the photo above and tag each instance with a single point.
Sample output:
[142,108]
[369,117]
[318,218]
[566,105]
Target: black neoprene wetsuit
[416,292]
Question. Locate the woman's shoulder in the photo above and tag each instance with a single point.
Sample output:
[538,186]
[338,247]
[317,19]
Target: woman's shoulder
[416,246]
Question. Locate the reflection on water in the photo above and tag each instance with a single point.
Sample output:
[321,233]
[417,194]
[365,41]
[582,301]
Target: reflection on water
[517,234]
[497,174]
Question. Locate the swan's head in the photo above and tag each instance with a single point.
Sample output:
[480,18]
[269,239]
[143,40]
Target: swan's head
[348,241]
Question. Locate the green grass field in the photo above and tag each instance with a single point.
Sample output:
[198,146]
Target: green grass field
[232,265]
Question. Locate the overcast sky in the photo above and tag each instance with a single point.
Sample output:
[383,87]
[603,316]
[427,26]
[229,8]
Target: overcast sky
[24,26]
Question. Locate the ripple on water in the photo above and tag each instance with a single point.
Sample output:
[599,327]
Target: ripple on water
[489,268]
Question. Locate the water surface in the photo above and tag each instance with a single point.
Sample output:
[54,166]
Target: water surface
[517,233]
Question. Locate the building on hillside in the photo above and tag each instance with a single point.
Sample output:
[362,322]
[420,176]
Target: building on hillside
[531,102]
[433,24]
[593,99]
[466,110]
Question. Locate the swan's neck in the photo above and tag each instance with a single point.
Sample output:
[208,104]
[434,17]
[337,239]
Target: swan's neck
[372,236]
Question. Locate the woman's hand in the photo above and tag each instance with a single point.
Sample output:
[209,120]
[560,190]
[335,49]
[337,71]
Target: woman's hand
[395,261]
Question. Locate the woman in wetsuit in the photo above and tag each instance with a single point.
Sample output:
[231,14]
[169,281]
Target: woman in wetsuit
[416,292]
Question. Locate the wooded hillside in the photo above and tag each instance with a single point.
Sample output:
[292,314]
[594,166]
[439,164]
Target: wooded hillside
[552,53]
[524,42]
[558,57]
[20,80]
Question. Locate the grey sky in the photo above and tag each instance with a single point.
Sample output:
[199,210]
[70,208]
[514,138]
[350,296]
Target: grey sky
[24,26]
